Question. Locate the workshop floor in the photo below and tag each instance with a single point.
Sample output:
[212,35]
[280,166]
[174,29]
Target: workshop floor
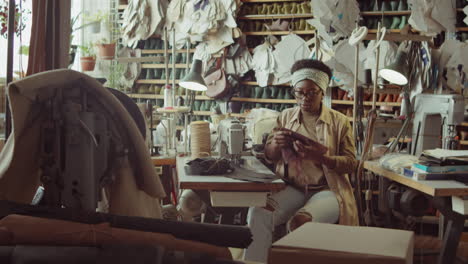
[433,243]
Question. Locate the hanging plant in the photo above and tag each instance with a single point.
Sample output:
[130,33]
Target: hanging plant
[20,18]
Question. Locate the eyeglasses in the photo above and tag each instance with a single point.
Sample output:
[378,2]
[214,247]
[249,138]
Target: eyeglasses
[301,94]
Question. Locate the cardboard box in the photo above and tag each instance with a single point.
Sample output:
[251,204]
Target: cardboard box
[327,243]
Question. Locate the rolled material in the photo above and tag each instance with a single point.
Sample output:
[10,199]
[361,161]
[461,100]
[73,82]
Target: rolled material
[200,144]
[219,235]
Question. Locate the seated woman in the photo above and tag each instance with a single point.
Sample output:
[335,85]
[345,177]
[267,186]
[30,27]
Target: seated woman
[318,188]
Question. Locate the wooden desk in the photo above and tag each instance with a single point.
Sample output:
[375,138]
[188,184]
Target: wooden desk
[443,192]
[433,188]
[163,161]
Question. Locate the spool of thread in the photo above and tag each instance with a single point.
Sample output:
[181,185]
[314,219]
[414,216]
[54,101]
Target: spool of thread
[200,144]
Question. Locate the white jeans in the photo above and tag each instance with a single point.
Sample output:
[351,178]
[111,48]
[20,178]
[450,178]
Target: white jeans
[322,206]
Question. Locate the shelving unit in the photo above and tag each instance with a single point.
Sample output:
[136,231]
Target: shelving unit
[250,83]
[266,33]
[159,96]
[286,16]
[152,81]
[386,13]
[161,51]
[245,19]
[162,66]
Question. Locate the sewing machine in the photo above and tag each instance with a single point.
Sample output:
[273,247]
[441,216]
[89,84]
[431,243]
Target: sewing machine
[231,139]
[433,114]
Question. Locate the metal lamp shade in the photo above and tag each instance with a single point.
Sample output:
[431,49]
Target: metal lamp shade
[396,72]
[193,80]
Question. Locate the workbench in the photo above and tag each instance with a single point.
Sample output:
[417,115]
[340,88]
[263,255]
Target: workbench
[445,194]
[223,186]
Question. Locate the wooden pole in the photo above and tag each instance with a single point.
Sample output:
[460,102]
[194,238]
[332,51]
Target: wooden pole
[376,75]
[9,70]
[355,103]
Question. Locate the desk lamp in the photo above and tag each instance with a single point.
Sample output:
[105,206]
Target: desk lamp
[397,72]
[193,81]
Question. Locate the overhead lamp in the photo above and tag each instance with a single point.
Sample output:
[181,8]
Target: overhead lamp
[397,72]
[194,80]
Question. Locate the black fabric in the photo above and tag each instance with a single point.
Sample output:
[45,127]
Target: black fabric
[208,166]
[132,109]
[219,235]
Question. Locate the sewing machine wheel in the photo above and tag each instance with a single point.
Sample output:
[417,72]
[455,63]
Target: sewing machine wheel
[132,109]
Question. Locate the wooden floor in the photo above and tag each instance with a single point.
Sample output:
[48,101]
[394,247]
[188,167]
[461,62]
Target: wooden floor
[433,244]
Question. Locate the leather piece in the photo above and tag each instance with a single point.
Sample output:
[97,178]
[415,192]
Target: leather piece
[25,254]
[217,84]
[221,235]
[29,230]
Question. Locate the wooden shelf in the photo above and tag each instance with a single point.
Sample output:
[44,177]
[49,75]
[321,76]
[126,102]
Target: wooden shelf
[163,66]
[387,89]
[256,84]
[261,100]
[275,16]
[203,113]
[243,115]
[268,1]
[386,13]
[161,51]
[374,31]
[398,37]
[464,142]
[154,81]
[160,96]
[146,96]
[462,28]
[122,7]
[367,103]
[265,33]
[208,113]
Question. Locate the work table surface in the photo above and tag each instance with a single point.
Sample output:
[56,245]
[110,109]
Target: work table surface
[433,188]
[222,183]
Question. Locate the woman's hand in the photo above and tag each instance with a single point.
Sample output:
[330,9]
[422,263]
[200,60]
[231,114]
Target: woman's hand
[308,151]
[313,152]
[281,139]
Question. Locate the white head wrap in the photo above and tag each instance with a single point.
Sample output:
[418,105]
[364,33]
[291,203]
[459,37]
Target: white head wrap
[318,77]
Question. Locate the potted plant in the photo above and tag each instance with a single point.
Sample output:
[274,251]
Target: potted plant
[88,57]
[115,76]
[106,49]
[94,20]
[21,16]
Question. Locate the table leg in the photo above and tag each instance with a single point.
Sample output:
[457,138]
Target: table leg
[453,231]
[166,180]
[448,252]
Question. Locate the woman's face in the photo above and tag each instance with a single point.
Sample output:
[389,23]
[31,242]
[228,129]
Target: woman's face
[308,96]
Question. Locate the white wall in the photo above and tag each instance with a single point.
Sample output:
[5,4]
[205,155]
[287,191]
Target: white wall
[19,61]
